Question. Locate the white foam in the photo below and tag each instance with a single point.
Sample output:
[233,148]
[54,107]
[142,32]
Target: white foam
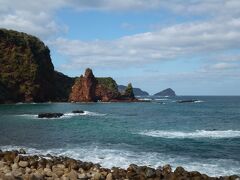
[191,135]
[145,99]
[198,101]
[122,158]
[28,115]
[66,115]
[163,99]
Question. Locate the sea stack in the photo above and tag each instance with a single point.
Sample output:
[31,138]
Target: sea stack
[84,88]
[87,88]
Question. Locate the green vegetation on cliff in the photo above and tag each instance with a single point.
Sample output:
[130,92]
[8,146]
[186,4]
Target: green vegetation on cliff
[26,69]
[108,83]
[129,91]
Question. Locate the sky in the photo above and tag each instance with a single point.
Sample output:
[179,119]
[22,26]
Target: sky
[191,46]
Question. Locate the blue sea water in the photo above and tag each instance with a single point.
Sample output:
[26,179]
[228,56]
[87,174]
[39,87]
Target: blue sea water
[202,136]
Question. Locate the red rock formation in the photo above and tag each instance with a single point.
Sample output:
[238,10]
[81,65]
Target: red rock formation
[87,88]
[84,88]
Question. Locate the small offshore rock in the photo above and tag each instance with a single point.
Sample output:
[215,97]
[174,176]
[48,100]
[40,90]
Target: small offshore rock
[78,112]
[23,164]
[50,115]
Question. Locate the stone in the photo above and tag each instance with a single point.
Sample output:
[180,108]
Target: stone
[61,166]
[72,175]
[28,170]
[98,176]
[82,176]
[179,171]
[15,166]
[8,176]
[2,164]
[17,173]
[36,176]
[17,159]
[50,115]
[167,169]
[59,173]
[23,164]
[22,151]
[47,172]
[9,156]
[150,173]
[109,176]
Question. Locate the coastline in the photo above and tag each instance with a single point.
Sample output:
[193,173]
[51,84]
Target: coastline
[16,164]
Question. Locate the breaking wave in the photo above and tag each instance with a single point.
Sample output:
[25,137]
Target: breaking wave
[191,135]
[108,157]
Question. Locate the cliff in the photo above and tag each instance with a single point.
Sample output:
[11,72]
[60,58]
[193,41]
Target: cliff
[88,88]
[136,91]
[27,72]
[166,92]
[27,75]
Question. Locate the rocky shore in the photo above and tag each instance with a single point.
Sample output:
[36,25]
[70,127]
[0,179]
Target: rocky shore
[17,164]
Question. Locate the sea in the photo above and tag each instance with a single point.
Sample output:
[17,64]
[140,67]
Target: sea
[200,136]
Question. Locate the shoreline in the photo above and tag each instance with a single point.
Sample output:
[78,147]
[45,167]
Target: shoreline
[16,164]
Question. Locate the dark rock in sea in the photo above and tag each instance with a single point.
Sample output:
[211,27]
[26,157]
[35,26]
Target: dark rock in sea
[78,112]
[50,115]
[136,91]
[187,101]
[167,92]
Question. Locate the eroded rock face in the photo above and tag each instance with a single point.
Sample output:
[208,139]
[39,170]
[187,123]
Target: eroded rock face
[84,88]
[87,88]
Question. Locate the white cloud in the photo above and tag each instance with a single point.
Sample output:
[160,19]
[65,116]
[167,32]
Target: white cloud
[183,40]
[224,66]
[34,17]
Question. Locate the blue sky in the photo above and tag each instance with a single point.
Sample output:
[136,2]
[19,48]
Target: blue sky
[190,46]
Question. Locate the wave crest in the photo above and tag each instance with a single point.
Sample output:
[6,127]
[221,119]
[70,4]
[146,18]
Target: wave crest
[192,135]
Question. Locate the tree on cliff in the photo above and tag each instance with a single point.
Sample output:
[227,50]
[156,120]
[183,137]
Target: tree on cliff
[129,91]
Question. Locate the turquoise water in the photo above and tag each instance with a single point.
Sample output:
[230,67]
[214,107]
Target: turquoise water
[202,136]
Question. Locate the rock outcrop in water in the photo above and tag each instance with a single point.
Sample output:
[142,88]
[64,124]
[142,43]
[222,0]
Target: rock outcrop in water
[26,70]
[88,88]
[14,165]
[166,92]
[136,91]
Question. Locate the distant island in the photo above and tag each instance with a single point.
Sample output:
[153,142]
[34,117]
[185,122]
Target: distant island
[166,92]
[27,75]
[136,91]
